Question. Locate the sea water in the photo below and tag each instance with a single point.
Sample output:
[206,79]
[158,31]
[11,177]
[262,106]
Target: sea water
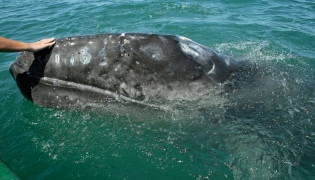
[263,129]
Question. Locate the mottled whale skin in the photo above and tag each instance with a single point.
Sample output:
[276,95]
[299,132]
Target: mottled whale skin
[127,67]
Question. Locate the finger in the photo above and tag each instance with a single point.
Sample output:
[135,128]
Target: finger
[49,45]
[50,39]
[47,40]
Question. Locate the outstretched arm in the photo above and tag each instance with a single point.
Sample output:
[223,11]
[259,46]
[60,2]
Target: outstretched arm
[8,45]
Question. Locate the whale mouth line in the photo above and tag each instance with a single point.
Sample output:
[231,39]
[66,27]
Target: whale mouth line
[91,89]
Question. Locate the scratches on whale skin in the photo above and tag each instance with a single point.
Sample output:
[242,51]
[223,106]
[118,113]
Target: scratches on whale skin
[183,38]
[163,39]
[153,51]
[191,48]
[189,51]
[212,71]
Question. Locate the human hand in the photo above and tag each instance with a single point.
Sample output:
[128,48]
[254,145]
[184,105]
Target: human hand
[39,45]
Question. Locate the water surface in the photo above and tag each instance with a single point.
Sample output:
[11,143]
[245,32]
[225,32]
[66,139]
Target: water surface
[263,130]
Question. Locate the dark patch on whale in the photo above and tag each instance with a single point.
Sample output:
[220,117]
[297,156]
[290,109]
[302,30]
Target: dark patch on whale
[127,67]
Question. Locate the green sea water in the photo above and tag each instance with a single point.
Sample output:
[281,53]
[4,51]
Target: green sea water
[264,130]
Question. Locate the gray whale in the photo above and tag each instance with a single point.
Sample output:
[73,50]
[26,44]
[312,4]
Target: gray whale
[127,67]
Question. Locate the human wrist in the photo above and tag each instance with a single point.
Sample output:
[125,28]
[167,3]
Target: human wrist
[29,47]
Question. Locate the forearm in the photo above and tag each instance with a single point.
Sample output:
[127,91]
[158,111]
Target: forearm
[8,45]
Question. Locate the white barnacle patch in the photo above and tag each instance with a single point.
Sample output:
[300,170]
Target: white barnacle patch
[122,34]
[85,56]
[72,60]
[122,49]
[90,42]
[103,62]
[126,41]
[105,41]
[155,56]
[72,44]
[57,58]
[118,68]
